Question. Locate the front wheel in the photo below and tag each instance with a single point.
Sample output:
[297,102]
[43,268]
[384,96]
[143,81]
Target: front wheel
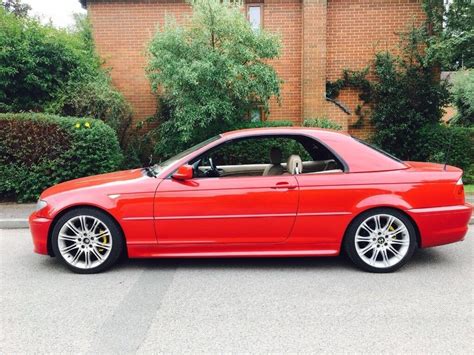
[380,240]
[87,241]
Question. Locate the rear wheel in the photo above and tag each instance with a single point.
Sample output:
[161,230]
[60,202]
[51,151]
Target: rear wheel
[87,240]
[380,240]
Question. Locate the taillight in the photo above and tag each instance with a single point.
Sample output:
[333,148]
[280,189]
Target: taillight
[459,190]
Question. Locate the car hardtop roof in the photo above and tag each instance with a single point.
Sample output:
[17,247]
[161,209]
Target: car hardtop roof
[282,130]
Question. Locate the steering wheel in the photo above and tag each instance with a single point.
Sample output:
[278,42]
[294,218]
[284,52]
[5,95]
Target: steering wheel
[213,171]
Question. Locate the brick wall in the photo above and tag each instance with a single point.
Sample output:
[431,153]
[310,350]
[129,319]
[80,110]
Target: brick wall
[284,18]
[122,31]
[356,30]
[319,39]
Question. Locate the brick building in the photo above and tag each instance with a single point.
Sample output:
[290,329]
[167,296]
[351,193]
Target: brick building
[319,39]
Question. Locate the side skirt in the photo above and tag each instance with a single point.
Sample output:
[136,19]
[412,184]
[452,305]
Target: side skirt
[230,250]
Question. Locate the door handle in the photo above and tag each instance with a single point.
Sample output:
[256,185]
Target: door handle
[284,185]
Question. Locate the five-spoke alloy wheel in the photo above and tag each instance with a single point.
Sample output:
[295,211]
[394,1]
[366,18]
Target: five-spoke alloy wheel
[380,240]
[87,240]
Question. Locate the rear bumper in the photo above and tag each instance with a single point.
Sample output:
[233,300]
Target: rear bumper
[39,228]
[441,225]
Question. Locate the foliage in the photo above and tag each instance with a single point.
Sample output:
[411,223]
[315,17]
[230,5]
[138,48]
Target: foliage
[405,95]
[453,27]
[36,61]
[44,69]
[211,73]
[139,147]
[91,93]
[463,97]
[351,79]
[38,150]
[261,124]
[451,144]
[16,7]
[322,123]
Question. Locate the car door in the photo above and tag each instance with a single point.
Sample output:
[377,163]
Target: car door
[234,204]
[253,209]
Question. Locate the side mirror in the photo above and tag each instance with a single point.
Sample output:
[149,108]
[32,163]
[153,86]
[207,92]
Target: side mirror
[184,172]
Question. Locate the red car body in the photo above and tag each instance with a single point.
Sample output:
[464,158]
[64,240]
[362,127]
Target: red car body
[286,215]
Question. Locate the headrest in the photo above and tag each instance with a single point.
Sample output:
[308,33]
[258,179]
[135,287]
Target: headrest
[275,156]
[294,165]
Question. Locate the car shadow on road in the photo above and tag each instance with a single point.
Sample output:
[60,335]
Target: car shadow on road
[423,258]
[241,263]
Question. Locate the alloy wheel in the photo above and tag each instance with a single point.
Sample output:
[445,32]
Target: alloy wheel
[84,242]
[382,241]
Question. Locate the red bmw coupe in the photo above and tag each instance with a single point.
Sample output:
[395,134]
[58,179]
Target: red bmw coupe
[276,192]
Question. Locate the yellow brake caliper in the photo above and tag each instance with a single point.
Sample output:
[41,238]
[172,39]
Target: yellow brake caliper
[103,239]
[391,229]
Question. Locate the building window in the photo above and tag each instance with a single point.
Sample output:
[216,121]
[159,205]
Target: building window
[257,114]
[255,16]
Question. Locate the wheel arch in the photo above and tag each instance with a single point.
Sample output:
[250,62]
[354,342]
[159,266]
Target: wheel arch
[71,208]
[415,226]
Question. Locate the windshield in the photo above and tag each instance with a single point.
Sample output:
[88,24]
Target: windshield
[160,166]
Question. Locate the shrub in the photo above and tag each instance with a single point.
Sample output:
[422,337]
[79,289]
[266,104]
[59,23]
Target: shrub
[322,123]
[38,150]
[95,98]
[463,97]
[405,95]
[211,73]
[90,92]
[36,60]
[440,143]
[262,124]
[45,69]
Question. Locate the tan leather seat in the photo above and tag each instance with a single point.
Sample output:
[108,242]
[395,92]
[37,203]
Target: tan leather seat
[294,165]
[275,168]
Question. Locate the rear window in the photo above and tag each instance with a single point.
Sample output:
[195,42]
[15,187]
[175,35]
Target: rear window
[381,151]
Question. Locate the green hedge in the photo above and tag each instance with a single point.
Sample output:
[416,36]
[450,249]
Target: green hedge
[322,123]
[38,151]
[438,143]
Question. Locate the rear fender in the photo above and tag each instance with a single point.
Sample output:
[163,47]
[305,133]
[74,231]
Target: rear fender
[383,200]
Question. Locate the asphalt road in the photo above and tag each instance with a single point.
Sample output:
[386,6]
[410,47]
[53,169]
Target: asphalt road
[236,305]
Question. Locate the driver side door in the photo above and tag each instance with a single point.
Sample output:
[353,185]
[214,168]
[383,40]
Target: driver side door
[238,206]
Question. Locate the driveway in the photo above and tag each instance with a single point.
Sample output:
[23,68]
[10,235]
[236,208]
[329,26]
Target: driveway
[236,305]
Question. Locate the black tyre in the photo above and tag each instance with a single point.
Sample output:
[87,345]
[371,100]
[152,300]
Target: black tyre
[87,240]
[380,240]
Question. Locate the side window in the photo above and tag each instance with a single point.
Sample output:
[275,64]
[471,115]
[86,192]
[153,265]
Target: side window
[257,151]
[263,156]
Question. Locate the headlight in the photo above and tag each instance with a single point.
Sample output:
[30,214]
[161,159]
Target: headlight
[41,204]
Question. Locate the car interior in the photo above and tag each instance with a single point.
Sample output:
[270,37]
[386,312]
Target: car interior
[270,155]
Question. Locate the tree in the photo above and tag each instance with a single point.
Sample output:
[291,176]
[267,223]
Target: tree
[16,7]
[452,45]
[45,69]
[210,73]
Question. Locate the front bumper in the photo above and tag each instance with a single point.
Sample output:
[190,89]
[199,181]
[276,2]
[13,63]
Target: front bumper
[39,227]
[442,225]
